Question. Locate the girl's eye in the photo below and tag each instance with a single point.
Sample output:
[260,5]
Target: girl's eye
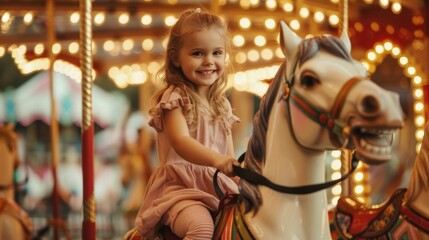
[218,53]
[197,53]
[309,81]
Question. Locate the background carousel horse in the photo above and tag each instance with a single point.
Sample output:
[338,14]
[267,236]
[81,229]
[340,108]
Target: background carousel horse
[136,158]
[320,99]
[14,221]
[405,215]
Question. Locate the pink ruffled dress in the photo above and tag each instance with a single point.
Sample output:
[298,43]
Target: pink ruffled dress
[177,181]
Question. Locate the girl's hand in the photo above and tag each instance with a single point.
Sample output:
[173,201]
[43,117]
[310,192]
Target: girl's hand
[225,166]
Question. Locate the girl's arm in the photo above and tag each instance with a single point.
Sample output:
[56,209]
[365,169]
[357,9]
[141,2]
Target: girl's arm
[230,146]
[190,149]
[231,153]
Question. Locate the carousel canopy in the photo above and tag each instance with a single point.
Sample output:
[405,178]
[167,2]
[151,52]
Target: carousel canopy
[31,101]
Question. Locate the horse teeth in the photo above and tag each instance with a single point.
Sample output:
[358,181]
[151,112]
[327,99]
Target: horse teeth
[368,147]
[388,149]
[374,149]
[377,131]
[362,143]
[378,150]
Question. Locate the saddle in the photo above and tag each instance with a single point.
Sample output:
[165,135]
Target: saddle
[352,219]
[227,220]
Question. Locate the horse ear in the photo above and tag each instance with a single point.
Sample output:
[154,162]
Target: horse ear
[289,40]
[346,40]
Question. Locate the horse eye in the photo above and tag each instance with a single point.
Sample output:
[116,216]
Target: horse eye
[309,81]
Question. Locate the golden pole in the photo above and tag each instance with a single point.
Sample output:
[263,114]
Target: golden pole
[344,17]
[87,134]
[50,6]
[214,6]
[345,154]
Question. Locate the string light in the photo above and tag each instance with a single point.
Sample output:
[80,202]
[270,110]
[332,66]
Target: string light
[74,17]
[396,7]
[28,18]
[270,23]
[124,46]
[124,18]
[146,19]
[260,40]
[288,7]
[319,16]
[73,47]
[147,44]
[304,12]
[383,3]
[271,4]
[267,54]
[170,21]
[334,20]
[238,40]
[99,18]
[295,25]
[6,17]
[245,23]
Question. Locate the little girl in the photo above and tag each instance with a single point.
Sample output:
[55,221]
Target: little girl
[193,121]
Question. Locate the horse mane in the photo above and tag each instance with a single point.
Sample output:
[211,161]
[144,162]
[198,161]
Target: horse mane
[419,174]
[255,154]
[256,148]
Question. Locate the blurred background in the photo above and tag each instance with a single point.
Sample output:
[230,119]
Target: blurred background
[129,36]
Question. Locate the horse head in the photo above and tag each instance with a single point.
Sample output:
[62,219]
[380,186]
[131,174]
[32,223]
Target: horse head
[332,97]
[14,222]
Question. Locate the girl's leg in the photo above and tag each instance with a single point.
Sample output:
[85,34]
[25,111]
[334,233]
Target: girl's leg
[193,223]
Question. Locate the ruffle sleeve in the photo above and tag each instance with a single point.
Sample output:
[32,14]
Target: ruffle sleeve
[230,119]
[172,98]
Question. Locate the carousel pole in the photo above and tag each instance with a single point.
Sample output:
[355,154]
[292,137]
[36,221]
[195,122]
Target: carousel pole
[50,5]
[426,59]
[88,225]
[214,6]
[345,154]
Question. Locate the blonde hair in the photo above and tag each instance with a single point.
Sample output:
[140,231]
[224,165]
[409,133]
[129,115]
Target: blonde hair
[190,21]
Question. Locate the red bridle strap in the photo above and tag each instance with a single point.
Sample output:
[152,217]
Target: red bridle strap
[328,120]
[342,95]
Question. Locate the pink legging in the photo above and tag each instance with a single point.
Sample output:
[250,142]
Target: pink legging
[193,223]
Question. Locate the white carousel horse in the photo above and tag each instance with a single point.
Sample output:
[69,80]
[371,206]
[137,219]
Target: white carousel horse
[320,99]
[405,215]
[14,221]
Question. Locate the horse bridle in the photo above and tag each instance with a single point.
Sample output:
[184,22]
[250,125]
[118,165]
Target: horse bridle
[328,120]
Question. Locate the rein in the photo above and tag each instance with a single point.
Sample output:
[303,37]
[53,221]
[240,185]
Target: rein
[258,179]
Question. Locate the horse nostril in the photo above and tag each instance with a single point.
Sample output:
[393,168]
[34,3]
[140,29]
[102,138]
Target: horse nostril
[369,106]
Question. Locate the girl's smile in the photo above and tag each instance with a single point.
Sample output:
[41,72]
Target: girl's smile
[202,56]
